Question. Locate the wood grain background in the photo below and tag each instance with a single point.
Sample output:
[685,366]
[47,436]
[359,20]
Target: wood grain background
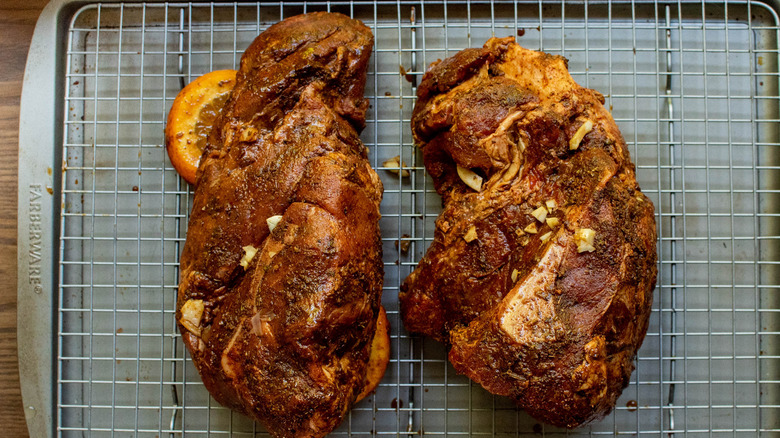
[17,21]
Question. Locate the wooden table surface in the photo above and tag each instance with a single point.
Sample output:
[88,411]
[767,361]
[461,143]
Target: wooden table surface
[17,20]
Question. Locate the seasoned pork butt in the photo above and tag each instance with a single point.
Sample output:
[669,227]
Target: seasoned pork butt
[541,272]
[281,273]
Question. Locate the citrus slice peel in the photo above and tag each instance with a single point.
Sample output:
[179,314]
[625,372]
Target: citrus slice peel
[194,111]
[378,357]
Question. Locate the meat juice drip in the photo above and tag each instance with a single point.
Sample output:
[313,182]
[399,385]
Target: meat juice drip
[409,77]
[397,403]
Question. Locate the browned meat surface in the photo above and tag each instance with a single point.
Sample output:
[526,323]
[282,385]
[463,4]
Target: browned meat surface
[283,334]
[529,305]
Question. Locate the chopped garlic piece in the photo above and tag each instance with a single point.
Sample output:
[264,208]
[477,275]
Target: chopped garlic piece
[395,165]
[273,221]
[531,228]
[514,275]
[249,254]
[471,234]
[191,313]
[470,178]
[553,222]
[546,236]
[540,214]
[584,238]
[585,128]
[248,134]
[551,204]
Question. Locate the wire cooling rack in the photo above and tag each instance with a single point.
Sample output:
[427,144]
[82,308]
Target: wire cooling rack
[693,87]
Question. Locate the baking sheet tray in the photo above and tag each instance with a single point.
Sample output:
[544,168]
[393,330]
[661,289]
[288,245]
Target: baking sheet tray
[693,87]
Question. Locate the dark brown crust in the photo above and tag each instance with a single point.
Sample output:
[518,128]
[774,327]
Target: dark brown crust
[286,340]
[561,338]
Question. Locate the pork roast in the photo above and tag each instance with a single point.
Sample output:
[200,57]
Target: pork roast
[540,275]
[281,273]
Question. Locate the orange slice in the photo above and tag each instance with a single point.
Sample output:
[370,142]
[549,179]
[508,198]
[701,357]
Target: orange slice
[194,111]
[379,355]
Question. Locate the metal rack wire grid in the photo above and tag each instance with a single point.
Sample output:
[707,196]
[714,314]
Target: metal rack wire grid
[693,87]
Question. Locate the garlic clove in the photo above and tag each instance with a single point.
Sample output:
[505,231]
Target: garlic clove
[585,239]
[471,234]
[584,129]
[191,314]
[470,178]
[273,221]
[397,166]
[540,214]
[249,254]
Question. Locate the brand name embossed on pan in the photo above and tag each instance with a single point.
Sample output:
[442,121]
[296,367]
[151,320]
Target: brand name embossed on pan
[36,234]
